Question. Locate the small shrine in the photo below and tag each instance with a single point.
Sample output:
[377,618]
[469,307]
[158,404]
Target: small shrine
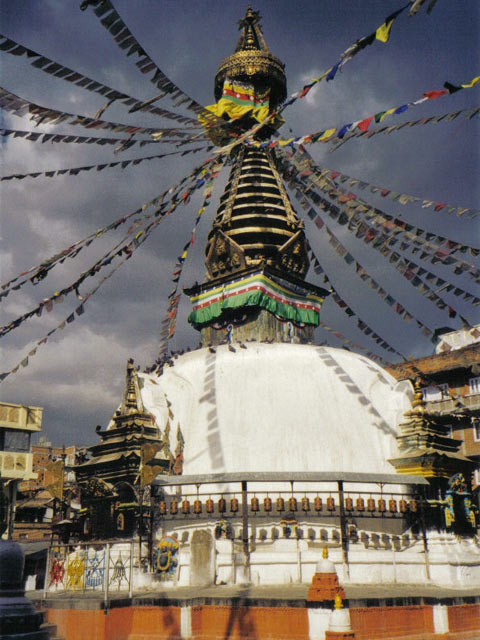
[131,453]
[428,449]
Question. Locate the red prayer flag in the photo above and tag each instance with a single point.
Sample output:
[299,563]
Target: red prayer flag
[432,95]
[364,124]
[438,206]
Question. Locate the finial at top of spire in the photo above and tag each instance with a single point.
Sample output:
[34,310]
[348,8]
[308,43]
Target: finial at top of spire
[252,37]
[132,401]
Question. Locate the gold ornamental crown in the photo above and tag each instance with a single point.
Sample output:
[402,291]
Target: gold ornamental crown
[252,61]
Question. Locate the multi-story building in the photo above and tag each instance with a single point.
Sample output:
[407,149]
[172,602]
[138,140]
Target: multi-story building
[451,385]
[46,499]
[17,423]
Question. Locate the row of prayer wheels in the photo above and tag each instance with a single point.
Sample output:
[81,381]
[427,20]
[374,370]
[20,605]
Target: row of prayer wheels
[290,504]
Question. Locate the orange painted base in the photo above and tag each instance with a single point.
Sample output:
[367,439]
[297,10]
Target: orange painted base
[338,635]
[126,623]
[215,622]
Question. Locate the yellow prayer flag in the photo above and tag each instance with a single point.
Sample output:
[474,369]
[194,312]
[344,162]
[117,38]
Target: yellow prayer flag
[471,84]
[383,32]
[322,76]
[283,143]
[328,133]
[387,113]
[157,135]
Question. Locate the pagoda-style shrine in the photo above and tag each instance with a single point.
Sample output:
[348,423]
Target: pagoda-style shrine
[428,449]
[131,453]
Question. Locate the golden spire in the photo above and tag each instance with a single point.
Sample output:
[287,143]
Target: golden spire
[132,400]
[418,403]
[253,62]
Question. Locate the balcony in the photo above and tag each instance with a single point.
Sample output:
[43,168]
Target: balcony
[16,465]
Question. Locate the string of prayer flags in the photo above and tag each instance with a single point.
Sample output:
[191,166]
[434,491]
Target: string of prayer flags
[406,267]
[382,34]
[65,73]
[367,134]
[401,198]
[39,272]
[363,124]
[21,107]
[353,345]
[386,228]
[68,320]
[126,246]
[137,241]
[43,137]
[122,164]
[38,136]
[205,179]
[362,273]
[391,226]
[350,313]
[125,40]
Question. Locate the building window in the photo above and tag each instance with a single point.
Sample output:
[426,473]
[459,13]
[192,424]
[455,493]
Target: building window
[474,385]
[435,392]
[14,440]
[476,429]
[476,479]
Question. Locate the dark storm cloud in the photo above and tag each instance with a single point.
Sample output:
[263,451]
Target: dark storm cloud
[78,375]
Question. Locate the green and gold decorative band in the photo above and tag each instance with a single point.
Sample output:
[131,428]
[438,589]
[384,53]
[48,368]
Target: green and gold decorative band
[257,290]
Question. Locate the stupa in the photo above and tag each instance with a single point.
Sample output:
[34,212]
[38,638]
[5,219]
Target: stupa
[282,447]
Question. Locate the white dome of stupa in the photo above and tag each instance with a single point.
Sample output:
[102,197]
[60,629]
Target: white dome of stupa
[279,407]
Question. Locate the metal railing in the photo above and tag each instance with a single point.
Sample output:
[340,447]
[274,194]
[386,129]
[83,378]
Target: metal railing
[90,566]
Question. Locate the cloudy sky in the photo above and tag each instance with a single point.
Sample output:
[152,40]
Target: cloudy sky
[78,375]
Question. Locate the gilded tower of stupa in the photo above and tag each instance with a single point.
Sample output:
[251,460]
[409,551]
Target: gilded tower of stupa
[256,252]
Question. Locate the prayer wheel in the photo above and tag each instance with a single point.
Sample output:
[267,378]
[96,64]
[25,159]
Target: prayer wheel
[280,504]
[371,505]
[254,504]
[360,504]
[413,506]
[382,505]
[330,503]
[197,506]
[162,508]
[234,505]
[222,505]
[209,506]
[267,504]
[402,506]
[185,506]
[292,504]
[348,504]
[305,504]
[174,507]
[317,503]
[392,505]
